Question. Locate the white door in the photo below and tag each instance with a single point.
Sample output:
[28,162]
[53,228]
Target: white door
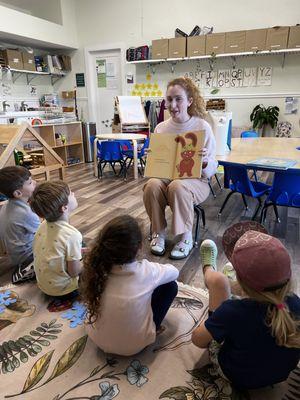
[107,85]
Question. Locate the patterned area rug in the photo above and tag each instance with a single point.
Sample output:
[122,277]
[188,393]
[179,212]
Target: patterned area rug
[45,354]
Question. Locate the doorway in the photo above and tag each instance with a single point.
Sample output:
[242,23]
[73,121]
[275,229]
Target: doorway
[105,69]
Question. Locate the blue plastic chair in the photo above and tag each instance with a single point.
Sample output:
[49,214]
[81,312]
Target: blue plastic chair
[110,152]
[237,180]
[285,191]
[141,154]
[249,134]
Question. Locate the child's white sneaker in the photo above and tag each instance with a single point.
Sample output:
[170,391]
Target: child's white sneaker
[229,271]
[209,253]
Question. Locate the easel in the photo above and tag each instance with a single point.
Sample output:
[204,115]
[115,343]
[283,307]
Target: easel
[132,115]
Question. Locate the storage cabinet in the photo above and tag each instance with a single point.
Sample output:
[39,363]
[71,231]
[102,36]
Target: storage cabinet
[65,140]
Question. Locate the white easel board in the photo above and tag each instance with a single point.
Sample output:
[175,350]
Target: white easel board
[131,110]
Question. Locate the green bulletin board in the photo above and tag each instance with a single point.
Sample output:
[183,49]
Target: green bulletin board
[101,73]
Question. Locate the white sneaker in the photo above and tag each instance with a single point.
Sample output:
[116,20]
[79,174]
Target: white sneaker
[209,253]
[229,271]
[157,245]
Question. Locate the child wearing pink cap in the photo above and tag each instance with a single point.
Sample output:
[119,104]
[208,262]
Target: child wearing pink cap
[254,341]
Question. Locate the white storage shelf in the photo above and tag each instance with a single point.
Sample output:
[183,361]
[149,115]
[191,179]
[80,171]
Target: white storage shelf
[30,75]
[249,53]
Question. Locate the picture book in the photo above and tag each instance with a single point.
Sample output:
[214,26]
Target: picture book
[174,156]
[276,163]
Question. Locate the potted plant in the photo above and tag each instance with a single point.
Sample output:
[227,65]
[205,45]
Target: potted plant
[265,119]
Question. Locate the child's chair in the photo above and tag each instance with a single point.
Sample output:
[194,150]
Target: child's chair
[110,153]
[141,156]
[285,191]
[249,134]
[237,180]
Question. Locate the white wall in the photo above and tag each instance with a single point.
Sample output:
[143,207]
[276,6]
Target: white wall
[37,29]
[137,22]
[49,10]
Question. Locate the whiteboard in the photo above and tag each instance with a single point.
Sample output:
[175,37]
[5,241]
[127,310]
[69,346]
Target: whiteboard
[131,110]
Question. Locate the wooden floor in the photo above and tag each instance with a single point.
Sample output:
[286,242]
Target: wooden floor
[99,201]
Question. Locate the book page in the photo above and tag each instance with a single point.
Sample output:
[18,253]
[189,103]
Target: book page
[161,157]
[188,163]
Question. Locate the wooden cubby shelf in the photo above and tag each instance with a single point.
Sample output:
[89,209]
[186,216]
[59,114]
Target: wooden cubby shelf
[65,140]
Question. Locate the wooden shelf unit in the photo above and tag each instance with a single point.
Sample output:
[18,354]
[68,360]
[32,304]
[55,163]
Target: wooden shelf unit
[22,138]
[70,152]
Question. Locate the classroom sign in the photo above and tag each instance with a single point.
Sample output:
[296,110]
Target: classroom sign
[232,78]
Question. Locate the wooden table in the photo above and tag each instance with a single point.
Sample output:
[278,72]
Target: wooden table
[133,137]
[249,149]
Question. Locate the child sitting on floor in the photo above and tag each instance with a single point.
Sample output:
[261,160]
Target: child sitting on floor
[18,223]
[126,299]
[57,244]
[254,341]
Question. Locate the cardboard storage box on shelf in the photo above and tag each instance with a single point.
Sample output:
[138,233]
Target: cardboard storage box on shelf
[294,37]
[177,47]
[160,48]
[277,38]
[70,94]
[215,43]
[66,62]
[256,40]
[13,59]
[28,61]
[235,42]
[196,46]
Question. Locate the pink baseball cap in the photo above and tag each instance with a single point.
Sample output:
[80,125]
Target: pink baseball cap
[234,232]
[261,261]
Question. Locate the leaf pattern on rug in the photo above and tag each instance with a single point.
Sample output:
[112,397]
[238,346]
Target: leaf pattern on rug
[293,392]
[69,358]
[12,308]
[204,386]
[39,369]
[189,305]
[15,351]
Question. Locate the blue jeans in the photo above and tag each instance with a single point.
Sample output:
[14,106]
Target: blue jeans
[161,301]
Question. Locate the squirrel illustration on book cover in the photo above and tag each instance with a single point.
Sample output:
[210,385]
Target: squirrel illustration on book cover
[187,153]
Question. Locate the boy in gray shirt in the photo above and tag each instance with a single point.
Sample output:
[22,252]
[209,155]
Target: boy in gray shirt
[18,223]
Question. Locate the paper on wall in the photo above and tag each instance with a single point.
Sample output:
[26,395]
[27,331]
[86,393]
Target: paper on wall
[236,77]
[291,105]
[264,76]
[250,76]
[223,79]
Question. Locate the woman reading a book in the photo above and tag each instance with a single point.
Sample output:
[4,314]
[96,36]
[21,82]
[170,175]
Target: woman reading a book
[186,107]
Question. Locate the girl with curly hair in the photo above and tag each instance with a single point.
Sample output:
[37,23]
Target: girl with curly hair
[187,110]
[126,299]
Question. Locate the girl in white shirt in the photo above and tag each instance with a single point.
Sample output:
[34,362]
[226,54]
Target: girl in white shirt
[126,299]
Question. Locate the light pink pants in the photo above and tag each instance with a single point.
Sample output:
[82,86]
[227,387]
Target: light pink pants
[180,195]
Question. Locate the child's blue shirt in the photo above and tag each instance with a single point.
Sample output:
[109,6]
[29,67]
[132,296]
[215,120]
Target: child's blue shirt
[18,224]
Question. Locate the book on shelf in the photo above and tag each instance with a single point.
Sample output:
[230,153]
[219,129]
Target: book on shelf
[172,156]
[276,163]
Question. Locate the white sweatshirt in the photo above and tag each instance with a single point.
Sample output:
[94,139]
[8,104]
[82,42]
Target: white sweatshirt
[125,325]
